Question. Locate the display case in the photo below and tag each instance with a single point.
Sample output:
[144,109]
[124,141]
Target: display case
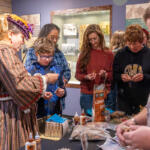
[72,24]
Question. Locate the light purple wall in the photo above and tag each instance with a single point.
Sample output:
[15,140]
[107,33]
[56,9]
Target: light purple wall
[44,7]
[22,7]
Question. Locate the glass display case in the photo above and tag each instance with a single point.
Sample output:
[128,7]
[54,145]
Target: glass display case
[72,23]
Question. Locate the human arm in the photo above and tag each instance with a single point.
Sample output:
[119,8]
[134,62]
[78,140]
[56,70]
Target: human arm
[116,69]
[23,88]
[80,74]
[49,77]
[61,60]
[138,137]
[139,119]
[110,72]
[106,74]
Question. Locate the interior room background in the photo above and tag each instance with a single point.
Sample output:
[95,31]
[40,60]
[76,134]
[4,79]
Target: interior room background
[44,7]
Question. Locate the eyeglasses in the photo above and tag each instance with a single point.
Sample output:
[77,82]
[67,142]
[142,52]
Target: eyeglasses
[46,57]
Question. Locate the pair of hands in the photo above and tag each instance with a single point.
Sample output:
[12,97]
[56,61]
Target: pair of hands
[59,92]
[136,78]
[52,78]
[137,137]
[92,76]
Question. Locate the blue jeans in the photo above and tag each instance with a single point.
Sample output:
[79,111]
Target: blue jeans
[110,101]
[86,102]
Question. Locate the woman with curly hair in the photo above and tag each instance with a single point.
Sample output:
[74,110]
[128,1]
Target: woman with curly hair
[94,65]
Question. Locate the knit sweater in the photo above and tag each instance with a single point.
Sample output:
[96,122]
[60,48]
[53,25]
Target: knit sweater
[98,60]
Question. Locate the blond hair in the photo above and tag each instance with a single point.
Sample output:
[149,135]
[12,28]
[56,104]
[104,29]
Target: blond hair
[117,40]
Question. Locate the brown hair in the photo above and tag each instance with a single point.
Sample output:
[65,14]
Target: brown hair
[86,46]
[134,33]
[146,33]
[117,40]
[146,14]
[43,45]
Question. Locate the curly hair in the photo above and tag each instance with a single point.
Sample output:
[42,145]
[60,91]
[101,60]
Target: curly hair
[117,40]
[86,46]
[134,33]
[43,45]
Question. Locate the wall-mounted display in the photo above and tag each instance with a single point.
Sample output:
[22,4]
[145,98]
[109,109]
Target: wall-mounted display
[69,29]
[69,49]
[72,24]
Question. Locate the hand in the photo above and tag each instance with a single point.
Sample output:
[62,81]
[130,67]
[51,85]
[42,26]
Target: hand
[138,77]
[51,77]
[60,92]
[90,76]
[125,78]
[120,130]
[103,74]
[47,95]
[65,81]
[138,137]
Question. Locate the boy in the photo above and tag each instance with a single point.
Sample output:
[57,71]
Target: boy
[44,50]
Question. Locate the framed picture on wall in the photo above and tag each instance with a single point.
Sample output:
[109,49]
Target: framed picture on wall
[34,20]
[134,14]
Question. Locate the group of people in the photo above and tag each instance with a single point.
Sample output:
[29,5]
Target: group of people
[139,126]
[42,58]
[37,89]
[33,90]
[127,73]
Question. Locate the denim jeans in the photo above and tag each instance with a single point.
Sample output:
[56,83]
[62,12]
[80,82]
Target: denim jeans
[86,102]
[110,101]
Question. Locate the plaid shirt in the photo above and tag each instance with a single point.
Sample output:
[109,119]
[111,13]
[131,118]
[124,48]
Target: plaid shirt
[59,60]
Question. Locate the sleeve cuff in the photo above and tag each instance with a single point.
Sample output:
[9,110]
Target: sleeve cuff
[44,82]
[44,85]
